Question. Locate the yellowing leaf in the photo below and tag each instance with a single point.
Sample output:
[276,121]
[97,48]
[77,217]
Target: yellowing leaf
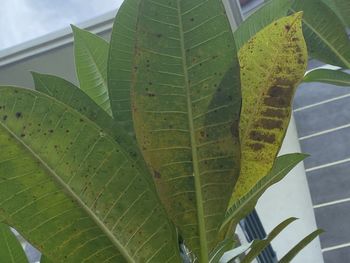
[272,64]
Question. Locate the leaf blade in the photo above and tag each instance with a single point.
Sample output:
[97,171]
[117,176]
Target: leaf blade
[235,253]
[267,92]
[341,8]
[324,33]
[179,111]
[259,245]
[282,166]
[71,95]
[344,10]
[56,176]
[334,77]
[91,54]
[120,62]
[217,253]
[10,249]
[303,243]
[265,15]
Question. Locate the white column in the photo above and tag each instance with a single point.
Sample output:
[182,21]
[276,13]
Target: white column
[291,198]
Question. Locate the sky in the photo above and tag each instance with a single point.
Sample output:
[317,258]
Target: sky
[24,20]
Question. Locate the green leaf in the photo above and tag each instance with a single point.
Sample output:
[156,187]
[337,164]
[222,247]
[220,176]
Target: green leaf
[334,77]
[186,103]
[282,166]
[217,253]
[325,34]
[44,259]
[11,250]
[91,54]
[71,190]
[344,9]
[341,8]
[71,95]
[120,62]
[272,65]
[269,12]
[302,244]
[259,245]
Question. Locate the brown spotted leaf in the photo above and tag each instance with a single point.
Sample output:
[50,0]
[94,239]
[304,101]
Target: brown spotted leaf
[186,104]
[71,190]
[272,64]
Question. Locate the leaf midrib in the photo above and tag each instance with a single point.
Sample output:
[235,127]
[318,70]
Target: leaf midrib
[195,159]
[123,251]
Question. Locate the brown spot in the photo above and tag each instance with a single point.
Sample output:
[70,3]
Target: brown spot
[277,102]
[157,175]
[262,137]
[256,146]
[277,91]
[278,113]
[18,115]
[4,118]
[301,61]
[271,124]
[23,135]
[51,131]
[287,27]
[151,95]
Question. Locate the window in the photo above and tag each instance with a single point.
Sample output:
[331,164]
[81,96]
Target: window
[253,229]
[248,6]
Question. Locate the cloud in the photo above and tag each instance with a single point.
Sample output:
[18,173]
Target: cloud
[23,20]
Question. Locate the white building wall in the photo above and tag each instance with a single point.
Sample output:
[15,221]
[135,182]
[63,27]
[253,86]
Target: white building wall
[291,198]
